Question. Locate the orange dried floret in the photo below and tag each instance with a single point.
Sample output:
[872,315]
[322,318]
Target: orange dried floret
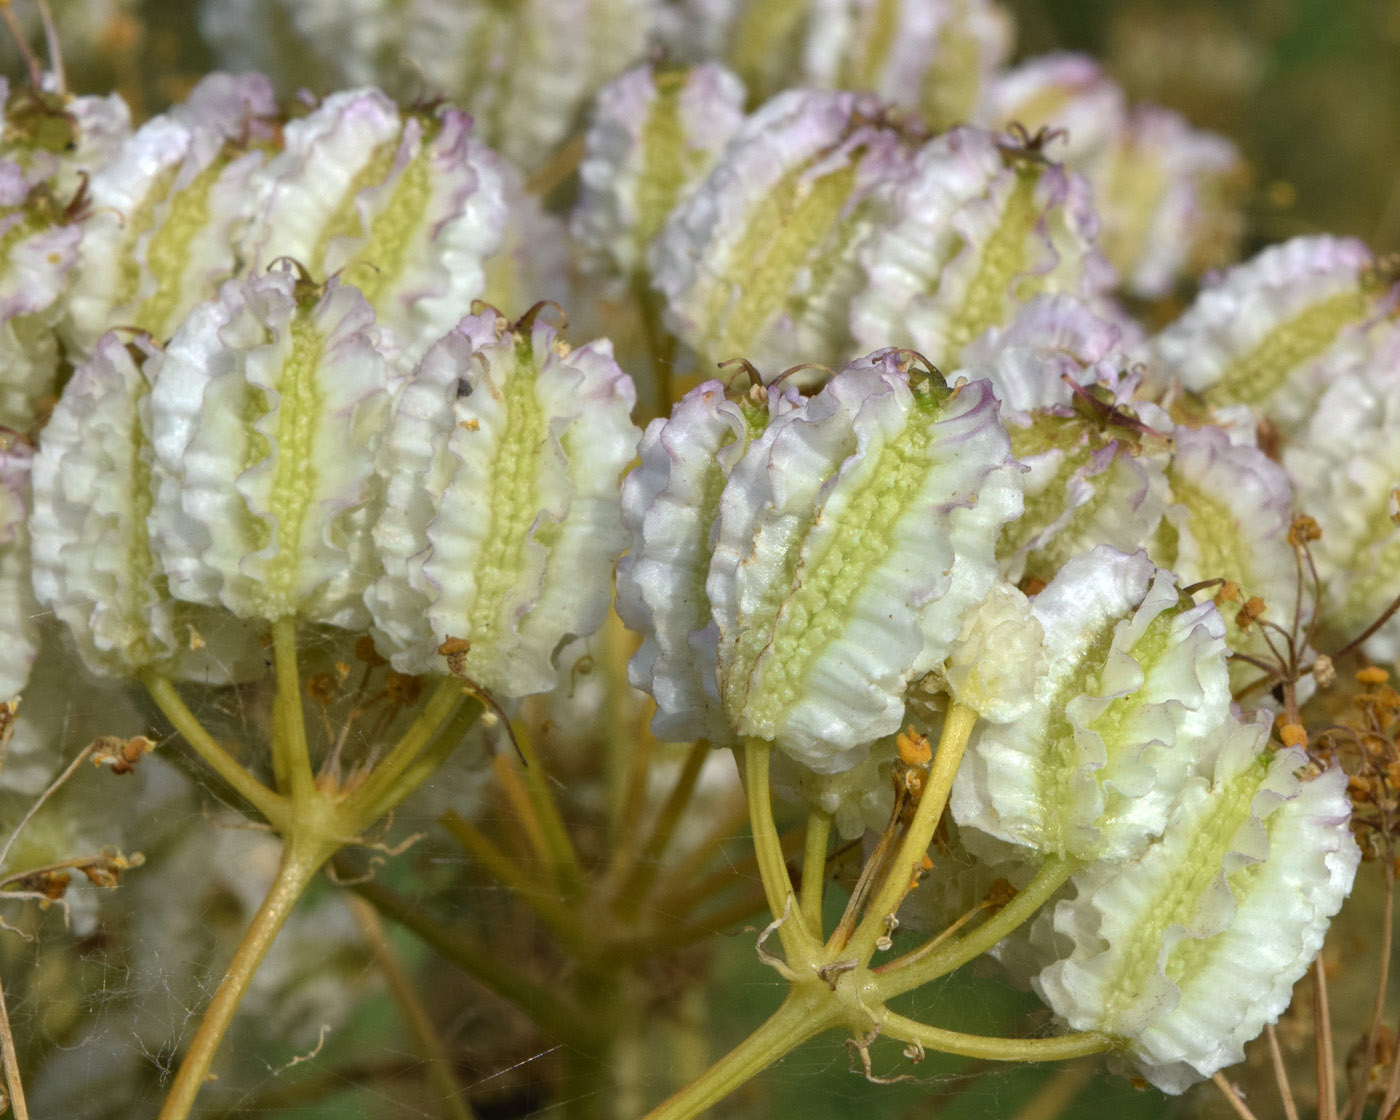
[1303,529]
[914,749]
[403,688]
[322,687]
[1252,610]
[365,651]
[1372,674]
[1293,735]
[925,866]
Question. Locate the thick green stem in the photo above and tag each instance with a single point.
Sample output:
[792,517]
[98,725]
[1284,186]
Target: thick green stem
[264,800]
[291,757]
[922,965]
[814,869]
[629,1064]
[594,1068]
[300,862]
[542,898]
[449,1093]
[957,727]
[799,1018]
[422,767]
[768,848]
[604,1073]
[993,1049]
[313,823]
[545,1006]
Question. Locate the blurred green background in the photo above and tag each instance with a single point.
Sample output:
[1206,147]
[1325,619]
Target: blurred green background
[1309,89]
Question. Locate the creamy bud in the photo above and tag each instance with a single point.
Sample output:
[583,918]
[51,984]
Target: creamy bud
[95,560]
[996,660]
[859,800]
[167,211]
[525,70]
[18,610]
[1274,332]
[933,56]
[1345,466]
[405,206]
[1089,483]
[1170,200]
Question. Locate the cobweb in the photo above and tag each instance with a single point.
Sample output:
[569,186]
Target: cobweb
[105,988]
[106,992]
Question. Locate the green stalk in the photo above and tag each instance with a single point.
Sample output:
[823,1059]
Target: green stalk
[957,728]
[738,871]
[449,1093]
[661,345]
[682,930]
[300,862]
[625,755]
[589,1088]
[768,848]
[423,766]
[522,811]
[923,965]
[993,1049]
[264,800]
[387,785]
[814,869]
[556,835]
[631,801]
[9,1061]
[291,758]
[542,898]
